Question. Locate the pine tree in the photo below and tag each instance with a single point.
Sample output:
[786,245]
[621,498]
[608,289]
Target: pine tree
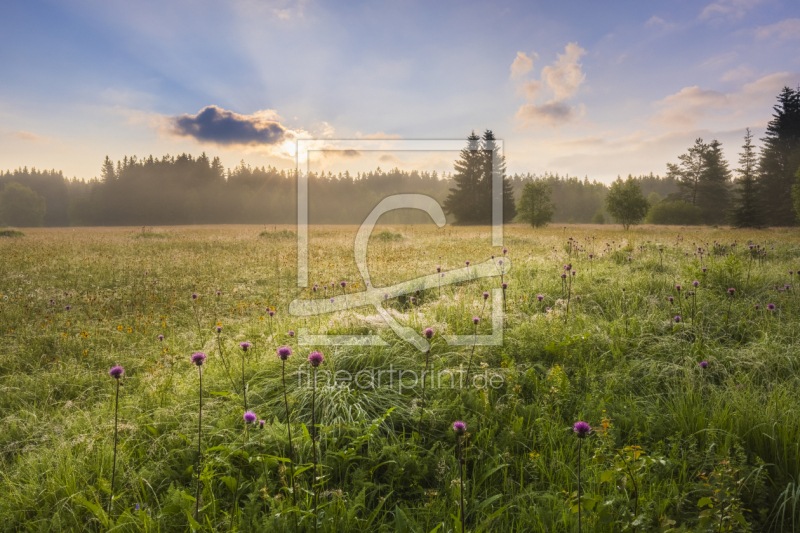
[107,170]
[714,184]
[747,210]
[780,157]
[689,172]
[494,169]
[463,202]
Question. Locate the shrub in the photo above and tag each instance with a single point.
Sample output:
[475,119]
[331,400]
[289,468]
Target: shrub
[20,206]
[598,217]
[674,213]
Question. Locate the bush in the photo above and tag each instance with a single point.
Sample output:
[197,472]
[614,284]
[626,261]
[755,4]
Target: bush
[598,217]
[674,213]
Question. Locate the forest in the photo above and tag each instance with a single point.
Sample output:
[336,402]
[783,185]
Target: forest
[700,188]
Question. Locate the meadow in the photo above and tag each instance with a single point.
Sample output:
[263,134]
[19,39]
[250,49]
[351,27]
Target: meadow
[691,393]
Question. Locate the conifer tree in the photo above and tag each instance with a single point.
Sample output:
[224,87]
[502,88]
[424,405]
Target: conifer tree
[747,210]
[463,202]
[494,169]
[780,157]
[715,181]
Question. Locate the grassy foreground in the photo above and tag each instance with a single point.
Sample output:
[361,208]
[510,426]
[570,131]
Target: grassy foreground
[675,446]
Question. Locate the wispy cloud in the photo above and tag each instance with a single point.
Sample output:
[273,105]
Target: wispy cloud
[553,113]
[565,75]
[784,30]
[728,9]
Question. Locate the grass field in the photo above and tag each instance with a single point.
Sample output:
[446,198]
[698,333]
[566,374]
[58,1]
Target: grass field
[675,445]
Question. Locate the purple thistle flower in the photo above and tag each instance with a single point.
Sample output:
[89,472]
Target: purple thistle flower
[539,297]
[316,358]
[696,283]
[731,291]
[505,286]
[332,300]
[677,319]
[459,427]
[261,424]
[219,329]
[581,429]
[271,312]
[547,309]
[343,284]
[757,306]
[678,288]
[194,296]
[591,256]
[244,346]
[284,352]
[485,295]
[314,288]
[703,364]
[771,307]
[219,293]
[428,333]
[116,372]
[505,250]
[68,307]
[413,299]
[704,269]
[563,276]
[438,269]
[574,272]
[671,299]
[161,337]
[198,358]
[467,263]
[52,301]
[291,333]
[475,320]
[492,256]
[249,417]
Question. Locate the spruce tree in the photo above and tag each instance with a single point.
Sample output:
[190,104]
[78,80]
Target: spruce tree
[747,210]
[494,169]
[715,181]
[689,172]
[780,157]
[463,202]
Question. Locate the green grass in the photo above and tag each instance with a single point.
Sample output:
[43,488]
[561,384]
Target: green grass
[11,233]
[618,360]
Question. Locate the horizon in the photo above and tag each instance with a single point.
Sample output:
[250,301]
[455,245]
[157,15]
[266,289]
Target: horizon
[601,94]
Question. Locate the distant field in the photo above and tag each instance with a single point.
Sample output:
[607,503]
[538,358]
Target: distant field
[675,446]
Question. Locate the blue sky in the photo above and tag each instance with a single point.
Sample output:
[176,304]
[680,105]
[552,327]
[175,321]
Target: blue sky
[584,88]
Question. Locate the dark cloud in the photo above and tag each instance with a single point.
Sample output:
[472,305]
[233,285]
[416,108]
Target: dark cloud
[213,124]
[553,112]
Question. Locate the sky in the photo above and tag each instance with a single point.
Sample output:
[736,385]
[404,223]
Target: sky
[584,88]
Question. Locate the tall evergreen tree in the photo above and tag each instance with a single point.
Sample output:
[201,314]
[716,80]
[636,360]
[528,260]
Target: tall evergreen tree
[494,169]
[713,188]
[747,211]
[780,157]
[463,202]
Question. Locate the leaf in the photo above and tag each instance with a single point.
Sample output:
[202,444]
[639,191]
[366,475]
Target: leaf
[192,522]
[95,509]
[607,476]
[705,501]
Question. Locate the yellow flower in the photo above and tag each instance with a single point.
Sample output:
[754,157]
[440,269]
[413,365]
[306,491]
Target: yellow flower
[86,352]
[261,319]
[84,334]
[119,328]
[63,334]
[130,330]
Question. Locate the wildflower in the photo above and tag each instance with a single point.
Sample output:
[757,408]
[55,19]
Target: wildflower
[161,338]
[198,358]
[343,284]
[316,359]
[291,333]
[244,346]
[539,297]
[563,276]
[731,291]
[671,299]
[757,306]
[505,286]
[249,417]
[771,307]
[219,329]
[505,251]
[678,288]
[284,352]
[271,312]
[475,320]
[582,429]
[428,333]
[704,269]
[459,427]
[438,269]
[413,299]
[677,319]
[703,364]
[485,295]
[261,424]
[116,372]
[219,293]
[194,296]
[696,283]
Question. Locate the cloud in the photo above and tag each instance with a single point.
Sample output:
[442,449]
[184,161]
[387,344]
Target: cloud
[553,113]
[28,136]
[728,9]
[216,125]
[740,73]
[691,104]
[522,64]
[783,30]
[565,76]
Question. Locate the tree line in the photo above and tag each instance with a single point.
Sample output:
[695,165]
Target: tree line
[700,188]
